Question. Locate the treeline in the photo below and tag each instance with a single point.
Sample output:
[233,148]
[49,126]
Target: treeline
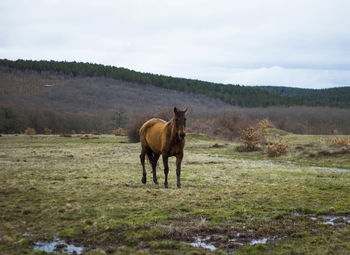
[233,94]
[333,97]
[16,119]
[226,124]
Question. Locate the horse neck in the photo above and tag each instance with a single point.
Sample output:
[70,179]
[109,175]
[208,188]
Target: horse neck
[172,129]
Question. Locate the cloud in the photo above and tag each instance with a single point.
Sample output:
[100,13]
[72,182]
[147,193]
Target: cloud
[294,43]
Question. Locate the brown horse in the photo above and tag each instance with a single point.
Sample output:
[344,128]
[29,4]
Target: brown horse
[159,137]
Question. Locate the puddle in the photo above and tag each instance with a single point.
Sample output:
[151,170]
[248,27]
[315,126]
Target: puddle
[258,241]
[281,161]
[212,243]
[332,220]
[343,170]
[199,243]
[58,245]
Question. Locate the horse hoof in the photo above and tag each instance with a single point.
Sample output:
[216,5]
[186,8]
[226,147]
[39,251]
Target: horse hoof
[143,180]
[155,182]
[179,186]
[166,186]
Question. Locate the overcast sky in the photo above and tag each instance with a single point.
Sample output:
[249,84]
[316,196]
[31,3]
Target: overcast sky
[298,43]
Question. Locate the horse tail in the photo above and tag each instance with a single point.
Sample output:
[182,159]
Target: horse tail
[150,157]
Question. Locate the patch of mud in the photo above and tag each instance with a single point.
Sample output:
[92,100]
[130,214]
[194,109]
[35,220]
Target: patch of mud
[333,220]
[58,245]
[343,170]
[203,162]
[215,241]
[216,145]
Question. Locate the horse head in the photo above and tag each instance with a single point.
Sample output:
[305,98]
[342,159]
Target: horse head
[180,123]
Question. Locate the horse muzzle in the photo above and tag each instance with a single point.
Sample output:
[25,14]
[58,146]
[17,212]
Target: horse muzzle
[182,136]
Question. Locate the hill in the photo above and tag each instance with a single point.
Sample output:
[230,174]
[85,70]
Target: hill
[232,94]
[86,97]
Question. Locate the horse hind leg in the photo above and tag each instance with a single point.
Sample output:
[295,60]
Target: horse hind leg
[153,158]
[142,159]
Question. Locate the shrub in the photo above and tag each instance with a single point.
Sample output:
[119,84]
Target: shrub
[277,149]
[119,132]
[73,132]
[228,125]
[265,124]
[47,131]
[133,128]
[94,132]
[250,138]
[339,141]
[30,131]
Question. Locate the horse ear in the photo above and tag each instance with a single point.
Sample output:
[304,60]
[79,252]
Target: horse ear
[185,111]
[175,110]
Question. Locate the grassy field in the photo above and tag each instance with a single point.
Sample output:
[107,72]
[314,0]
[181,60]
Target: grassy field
[87,196]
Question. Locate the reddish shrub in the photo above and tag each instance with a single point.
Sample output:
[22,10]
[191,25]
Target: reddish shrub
[230,124]
[119,132]
[47,131]
[30,131]
[250,138]
[277,149]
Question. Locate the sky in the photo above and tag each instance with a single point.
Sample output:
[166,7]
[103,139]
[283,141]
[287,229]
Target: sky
[299,43]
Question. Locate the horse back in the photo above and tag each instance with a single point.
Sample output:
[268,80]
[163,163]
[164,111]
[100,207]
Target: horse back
[151,134]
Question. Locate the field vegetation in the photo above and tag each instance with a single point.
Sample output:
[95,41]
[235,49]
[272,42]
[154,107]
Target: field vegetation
[85,190]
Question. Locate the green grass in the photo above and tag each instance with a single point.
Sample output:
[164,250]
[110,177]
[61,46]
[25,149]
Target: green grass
[89,193]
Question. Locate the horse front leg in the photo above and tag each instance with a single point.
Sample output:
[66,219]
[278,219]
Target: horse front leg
[178,168]
[166,169]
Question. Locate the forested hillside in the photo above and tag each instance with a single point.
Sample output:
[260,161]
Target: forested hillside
[232,94]
[333,97]
[64,97]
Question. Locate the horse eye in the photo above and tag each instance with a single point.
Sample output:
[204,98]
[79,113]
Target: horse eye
[185,119]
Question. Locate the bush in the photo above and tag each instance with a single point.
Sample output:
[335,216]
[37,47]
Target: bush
[30,131]
[340,141]
[47,131]
[229,125]
[277,149]
[133,128]
[250,138]
[119,132]
[265,124]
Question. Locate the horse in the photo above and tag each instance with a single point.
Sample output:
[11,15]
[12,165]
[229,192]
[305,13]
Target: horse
[159,137]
